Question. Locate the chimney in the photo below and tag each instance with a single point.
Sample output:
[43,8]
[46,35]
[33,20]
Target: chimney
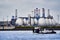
[43,12]
[15,13]
[48,12]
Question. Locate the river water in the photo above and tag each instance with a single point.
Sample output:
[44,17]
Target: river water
[27,35]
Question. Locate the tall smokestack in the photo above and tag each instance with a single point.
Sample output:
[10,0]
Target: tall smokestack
[15,13]
[29,17]
[48,12]
[43,11]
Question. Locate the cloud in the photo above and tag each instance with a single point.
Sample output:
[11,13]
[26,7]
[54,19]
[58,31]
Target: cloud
[7,7]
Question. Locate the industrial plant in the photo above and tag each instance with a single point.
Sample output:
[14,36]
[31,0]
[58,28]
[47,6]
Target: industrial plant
[30,20]
[34,21]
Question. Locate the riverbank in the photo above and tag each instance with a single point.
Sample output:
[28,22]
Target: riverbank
[17,28]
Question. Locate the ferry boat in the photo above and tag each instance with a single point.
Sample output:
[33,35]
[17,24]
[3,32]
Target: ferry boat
[40,31]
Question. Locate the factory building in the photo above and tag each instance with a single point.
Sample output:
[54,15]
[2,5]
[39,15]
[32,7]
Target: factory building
[32,21]
[4,23]
[13,20]
[35,20]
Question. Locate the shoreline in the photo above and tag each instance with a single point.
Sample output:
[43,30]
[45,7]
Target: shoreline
[25,28]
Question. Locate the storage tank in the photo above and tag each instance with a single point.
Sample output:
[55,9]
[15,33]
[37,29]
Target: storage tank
[19,21]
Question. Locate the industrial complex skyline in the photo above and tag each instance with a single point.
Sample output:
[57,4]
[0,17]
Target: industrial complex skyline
[25,7]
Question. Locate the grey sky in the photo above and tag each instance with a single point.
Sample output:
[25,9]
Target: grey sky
[7,7]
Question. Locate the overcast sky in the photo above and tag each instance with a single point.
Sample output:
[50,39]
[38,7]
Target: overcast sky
[7,7]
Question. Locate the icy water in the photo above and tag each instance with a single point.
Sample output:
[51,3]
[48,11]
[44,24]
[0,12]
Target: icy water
[27,35]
